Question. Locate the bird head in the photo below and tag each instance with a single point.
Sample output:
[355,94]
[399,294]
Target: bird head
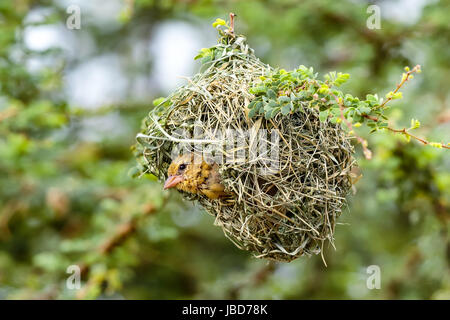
[186,173]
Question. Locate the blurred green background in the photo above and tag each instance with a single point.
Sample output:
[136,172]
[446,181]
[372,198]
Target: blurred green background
[72,100]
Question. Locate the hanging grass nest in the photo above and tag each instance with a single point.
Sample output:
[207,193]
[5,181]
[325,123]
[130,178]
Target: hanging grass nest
[282,209]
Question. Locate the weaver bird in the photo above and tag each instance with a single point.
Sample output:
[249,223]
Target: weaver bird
[196,177]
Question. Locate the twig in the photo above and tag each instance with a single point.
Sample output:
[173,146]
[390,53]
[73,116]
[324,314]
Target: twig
[425,142]
[124,231]
[405,78]
[406,133]
[232,15]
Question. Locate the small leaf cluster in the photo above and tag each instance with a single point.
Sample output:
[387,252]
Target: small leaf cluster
[285,92]
[220,22]
[210,54]
[226,37]
[206,54]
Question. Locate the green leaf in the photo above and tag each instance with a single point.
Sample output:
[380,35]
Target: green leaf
[158,101]
[397,95]
[394,96]
[365,110]
[323,115]
[372,100]
[415,124]
[206,59]
[203,53]
[357,118]
[252,112]
[258,89]
[283,99]
[407,137]
[341,78]
[219,22]
[336,111]
[436,145]
[324,89]
[271,94]
[274,112]
[272,104]
[286,109]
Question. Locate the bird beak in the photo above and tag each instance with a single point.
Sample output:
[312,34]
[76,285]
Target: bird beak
[172,181]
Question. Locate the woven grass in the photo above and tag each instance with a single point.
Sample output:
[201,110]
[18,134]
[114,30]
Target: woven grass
[280,215]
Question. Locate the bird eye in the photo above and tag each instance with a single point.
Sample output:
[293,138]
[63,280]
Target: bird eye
[182,166]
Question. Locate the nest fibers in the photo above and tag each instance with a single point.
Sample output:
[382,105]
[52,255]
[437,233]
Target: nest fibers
[287,198]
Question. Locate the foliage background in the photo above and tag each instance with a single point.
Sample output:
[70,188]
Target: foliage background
[67,124]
